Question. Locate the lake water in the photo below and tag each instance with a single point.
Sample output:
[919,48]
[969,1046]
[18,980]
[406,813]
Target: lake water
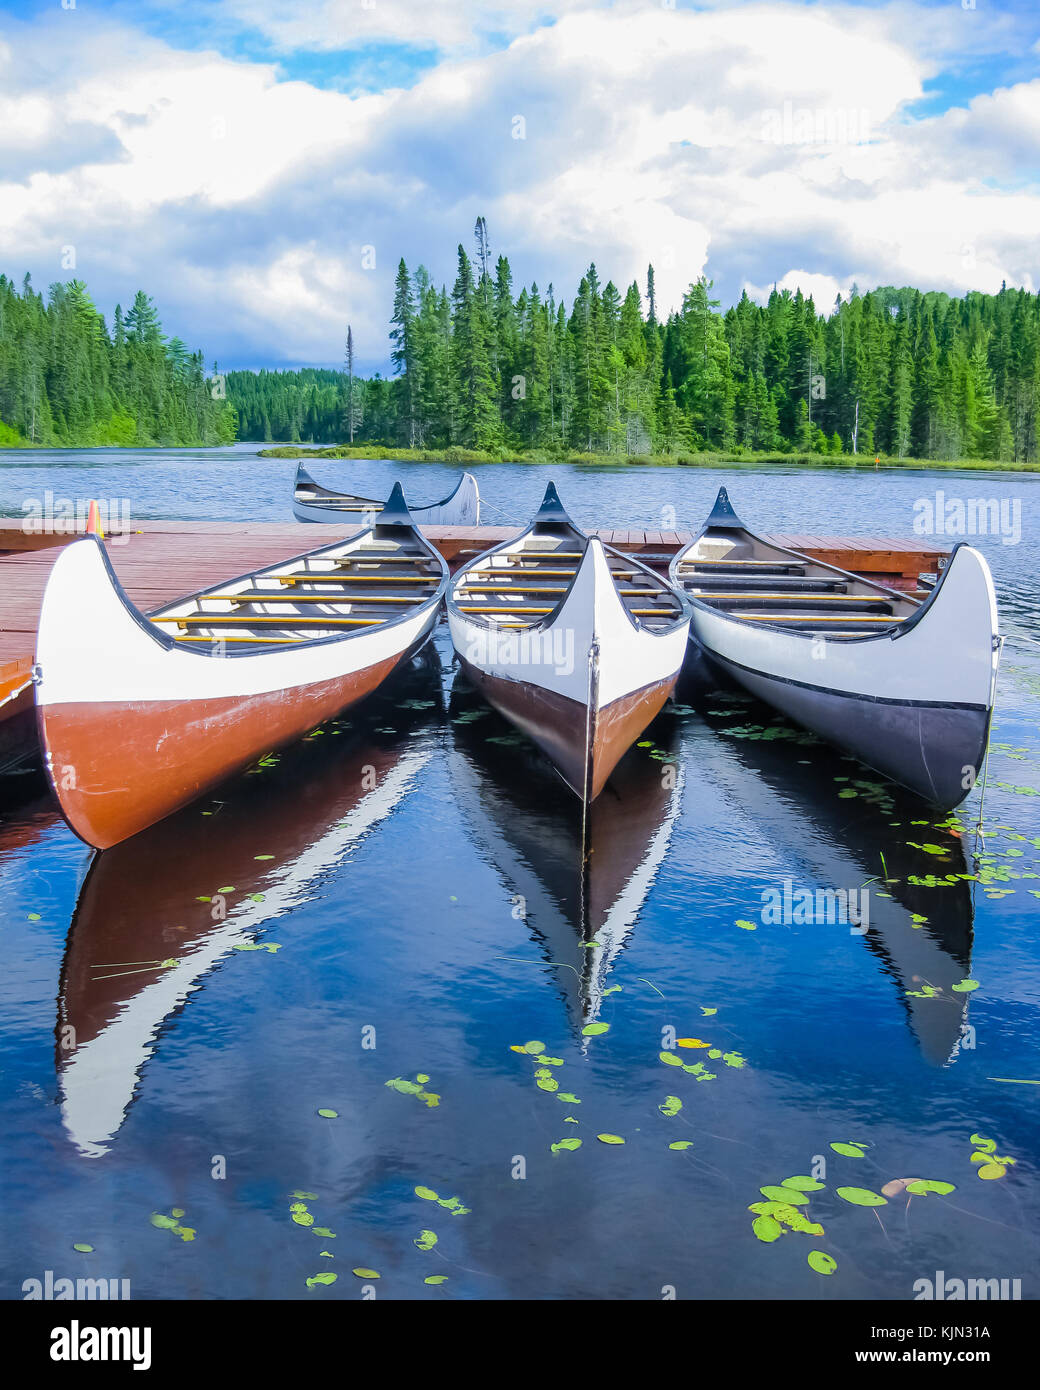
[397,898]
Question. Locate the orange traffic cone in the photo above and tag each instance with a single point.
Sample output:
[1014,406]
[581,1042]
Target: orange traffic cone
[94,522]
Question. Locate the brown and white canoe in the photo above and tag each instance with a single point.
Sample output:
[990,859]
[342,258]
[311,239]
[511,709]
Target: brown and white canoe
[139,715]
[575,643]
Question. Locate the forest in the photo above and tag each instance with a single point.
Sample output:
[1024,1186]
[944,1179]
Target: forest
[480,367]
[66,380]
[893,371]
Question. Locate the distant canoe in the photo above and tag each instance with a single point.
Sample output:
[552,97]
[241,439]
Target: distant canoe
[577,644]
[140,715]
[906,686]
[312,502]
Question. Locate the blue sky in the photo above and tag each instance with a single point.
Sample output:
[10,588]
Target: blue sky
[260,166]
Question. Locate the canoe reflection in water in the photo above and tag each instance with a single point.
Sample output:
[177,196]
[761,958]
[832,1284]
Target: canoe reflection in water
[529,828]
[919,929]
[141,941]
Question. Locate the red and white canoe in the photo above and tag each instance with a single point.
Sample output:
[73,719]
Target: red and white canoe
[139,715]
[577,644]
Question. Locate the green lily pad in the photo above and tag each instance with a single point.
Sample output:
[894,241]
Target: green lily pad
[436,1279]
[329,1114]
[849,1150]
[567,1144]
[803,1184]
[425,1240]
[321,1279]
[593,1030]
[822,1262]
[426,1193]
[767,1228]
[920,1187]
[788,1195]
[363,1273]
[682,1144]
[610,1138]
[862,1197]
[83,1249]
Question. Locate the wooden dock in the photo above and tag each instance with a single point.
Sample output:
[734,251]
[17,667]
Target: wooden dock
[158,561]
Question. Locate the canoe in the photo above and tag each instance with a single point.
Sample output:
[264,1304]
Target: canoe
[575,643]
[139,715]
[906,686]
[218,886]
[571,879]
[313,502]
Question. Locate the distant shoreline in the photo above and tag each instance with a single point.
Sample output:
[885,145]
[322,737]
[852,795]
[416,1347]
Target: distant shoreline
[681,460]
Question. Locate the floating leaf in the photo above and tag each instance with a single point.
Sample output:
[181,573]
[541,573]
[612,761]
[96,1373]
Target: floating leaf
[800,1183]
[263,856]
[567,1098]
[324,1232]
[407,1088]
[849,1150]
[682,1144]
[425,1240]
[745,925]
[670,1059]
[862,1197]
[989,1171]
[767,1228]
[610,1138]
[548,1083]
[164,1223]
[436,1279]
[568,1144]
[965,987]
[426,1193]
[421,1077]
[593,1030]
[185,1232]
[303,1218]
[329,1114]
[83,1249]
[691,1042]
[671,1106]
[363,1273]
[534,1047]
[788,1195]
[920,1187]
[821,1262]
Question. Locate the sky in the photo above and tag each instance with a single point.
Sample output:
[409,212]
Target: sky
[260,166]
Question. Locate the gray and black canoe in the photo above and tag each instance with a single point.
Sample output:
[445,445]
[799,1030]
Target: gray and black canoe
[906,685]
[313,502]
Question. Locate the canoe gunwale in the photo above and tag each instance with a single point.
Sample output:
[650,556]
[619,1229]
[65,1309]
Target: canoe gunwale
[891,634]
[546,622]
[169,642]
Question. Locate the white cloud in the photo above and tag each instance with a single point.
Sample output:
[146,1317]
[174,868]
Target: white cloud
[695,140]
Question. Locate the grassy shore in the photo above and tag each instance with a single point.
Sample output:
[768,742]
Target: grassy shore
[736,459]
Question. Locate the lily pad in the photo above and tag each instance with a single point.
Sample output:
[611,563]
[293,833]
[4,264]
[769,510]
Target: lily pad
[593,1030]
[363,1273]
[767,1228]
[321,1279]
[610,1138]
[821,1262]
[862,1197]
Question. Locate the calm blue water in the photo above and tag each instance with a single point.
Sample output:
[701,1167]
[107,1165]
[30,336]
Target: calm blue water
[414,866]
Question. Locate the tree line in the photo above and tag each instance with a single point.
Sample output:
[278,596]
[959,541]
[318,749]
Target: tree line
[65,379]
[897,371]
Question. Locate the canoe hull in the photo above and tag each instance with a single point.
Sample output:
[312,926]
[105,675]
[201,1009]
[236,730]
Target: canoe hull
[934,750]
[563,727]
[172,751]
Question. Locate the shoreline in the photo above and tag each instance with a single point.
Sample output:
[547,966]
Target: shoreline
[377,452]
